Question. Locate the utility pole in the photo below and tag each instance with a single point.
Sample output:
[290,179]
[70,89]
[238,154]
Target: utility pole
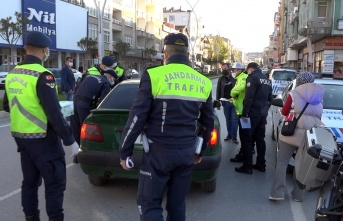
[100,8]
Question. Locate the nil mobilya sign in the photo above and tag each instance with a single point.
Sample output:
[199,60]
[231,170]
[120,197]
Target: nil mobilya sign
[41,15]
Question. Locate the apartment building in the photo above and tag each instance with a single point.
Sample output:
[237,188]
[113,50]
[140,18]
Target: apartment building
[189,24]
[313,31]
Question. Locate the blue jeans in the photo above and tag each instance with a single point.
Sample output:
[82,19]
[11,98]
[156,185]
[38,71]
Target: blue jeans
[231,118]
[69,97]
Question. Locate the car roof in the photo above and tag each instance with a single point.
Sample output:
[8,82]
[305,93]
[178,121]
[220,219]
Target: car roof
[283,69]
[328,81]
[131,81]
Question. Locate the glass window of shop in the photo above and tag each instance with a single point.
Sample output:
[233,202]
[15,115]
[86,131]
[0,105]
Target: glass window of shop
[52,61]
[318,58]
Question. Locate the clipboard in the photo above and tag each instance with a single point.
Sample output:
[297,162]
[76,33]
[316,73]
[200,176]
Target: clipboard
[245,125]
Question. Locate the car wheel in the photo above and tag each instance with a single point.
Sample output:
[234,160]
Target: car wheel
[209,186]
[97,180]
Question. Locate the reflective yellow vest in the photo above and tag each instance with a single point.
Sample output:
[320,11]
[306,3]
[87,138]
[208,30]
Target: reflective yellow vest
[119,70]
[28,119]
[179,81]
[93,71]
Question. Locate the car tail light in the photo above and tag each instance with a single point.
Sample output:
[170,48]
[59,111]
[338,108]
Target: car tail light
[214,137]
[91,132]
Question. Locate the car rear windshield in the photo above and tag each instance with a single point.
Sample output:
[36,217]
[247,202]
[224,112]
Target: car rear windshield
[333,98]
[284,75]
[121,97]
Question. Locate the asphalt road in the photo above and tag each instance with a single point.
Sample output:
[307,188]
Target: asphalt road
[238,196]
[2,93]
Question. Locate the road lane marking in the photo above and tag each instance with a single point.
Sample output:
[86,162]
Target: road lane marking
[297,209]
[19,190]
[6,125]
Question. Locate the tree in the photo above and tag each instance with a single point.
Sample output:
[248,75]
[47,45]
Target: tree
[219,49]
[12,31]
[150,52]
[122,47]
[87,44]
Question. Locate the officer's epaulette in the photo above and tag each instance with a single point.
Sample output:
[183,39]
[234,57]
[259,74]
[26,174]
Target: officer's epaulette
[154,66]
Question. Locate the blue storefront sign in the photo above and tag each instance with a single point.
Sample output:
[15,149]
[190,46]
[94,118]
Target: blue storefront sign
[42,17]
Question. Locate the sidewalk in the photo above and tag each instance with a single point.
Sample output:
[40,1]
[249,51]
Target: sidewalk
[4,117]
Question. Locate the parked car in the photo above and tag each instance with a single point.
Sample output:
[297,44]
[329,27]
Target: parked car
[280,79]
[100,139]
[132,73]
[332,116]
[3,74]
[57,74]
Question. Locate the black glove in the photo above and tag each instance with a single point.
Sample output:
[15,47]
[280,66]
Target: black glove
[216,104]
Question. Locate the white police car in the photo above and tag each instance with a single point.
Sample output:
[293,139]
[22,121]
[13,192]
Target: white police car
[332,116]
[280,79]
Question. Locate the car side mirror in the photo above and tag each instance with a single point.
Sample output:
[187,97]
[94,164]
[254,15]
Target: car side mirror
[277,102]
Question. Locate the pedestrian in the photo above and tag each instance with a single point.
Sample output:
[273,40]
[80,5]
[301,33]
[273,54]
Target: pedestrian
[238,94]
[37,126]
[68,79]
[257,101]
[172,98]
[81,70]
[91,91]
[224,86]
[305,92]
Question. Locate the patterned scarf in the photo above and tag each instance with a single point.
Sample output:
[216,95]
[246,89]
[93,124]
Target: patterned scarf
[304,77]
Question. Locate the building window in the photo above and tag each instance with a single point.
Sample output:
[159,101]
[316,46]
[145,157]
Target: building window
[184,18]
[92,31]
[107,13]
[157,47]
[128,21]
[128,39]
[92,11]
[171,18]
[106,36]
[322,9]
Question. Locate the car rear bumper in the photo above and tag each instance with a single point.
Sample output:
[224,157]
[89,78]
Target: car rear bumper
[101,162]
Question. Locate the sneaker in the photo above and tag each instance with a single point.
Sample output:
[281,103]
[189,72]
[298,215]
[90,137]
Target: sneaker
[258,167]
[243,169]
[276,198]
[234,139]
[227,138]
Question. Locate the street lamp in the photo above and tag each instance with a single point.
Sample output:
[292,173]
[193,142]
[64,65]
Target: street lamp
[100,8]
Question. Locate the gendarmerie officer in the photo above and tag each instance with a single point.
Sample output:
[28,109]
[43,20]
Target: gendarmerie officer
[171,100]
[37,125]
[91,91]
[258,98]
[120,71]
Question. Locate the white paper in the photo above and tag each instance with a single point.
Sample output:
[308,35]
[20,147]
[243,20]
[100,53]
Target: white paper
[245,125]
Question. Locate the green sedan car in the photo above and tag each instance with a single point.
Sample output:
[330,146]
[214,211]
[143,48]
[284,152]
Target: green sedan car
[100,139]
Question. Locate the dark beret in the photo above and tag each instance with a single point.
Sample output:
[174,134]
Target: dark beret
[107,61]
[37,39]
[253,65]
[176,39]
[111,72]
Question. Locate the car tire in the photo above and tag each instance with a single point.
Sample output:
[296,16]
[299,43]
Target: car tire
[209,186]
[97,180]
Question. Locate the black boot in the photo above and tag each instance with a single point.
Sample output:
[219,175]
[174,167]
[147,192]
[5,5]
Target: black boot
[61,218]
[34,217]
[237,159]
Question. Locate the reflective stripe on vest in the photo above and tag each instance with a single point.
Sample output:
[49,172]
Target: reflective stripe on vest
[119,70]
[93,71]
[179,81]
[28,119]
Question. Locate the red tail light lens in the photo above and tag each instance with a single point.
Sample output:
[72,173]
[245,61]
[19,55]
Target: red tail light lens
[214,137]
[91,132]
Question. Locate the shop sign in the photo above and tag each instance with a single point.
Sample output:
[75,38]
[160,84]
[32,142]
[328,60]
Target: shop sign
[327,68]
[333,44]
[328,62]
[339,58]
[41,17]
[328,56]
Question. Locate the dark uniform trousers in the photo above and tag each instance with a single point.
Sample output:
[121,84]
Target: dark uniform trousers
[163,168]
[36,166]
[81,111]
[255,134]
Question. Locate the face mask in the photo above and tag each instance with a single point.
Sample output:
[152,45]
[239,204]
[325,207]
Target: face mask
[46,54]
[233,75]
[114,64]
[70,64]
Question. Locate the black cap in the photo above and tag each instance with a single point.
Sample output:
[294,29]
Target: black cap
[37,39]
[111,72]
[107,61]
[253,65]
[176,39]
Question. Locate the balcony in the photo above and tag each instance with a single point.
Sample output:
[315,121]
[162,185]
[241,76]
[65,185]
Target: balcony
[141,14]
[141,33]
[316,27]
[293,17]
[149,17]
[293,41]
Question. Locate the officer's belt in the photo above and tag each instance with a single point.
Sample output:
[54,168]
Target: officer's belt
[82,98]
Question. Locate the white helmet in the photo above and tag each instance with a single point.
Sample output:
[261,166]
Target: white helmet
[238,65]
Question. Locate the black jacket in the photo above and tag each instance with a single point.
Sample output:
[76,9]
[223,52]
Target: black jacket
[221,86]
[258,95]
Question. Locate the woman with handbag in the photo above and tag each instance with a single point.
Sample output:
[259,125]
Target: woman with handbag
[307,102]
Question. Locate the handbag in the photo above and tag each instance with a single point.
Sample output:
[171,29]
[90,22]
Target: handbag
[288,127]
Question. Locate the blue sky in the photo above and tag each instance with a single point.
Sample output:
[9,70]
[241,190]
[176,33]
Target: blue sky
[247,23]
